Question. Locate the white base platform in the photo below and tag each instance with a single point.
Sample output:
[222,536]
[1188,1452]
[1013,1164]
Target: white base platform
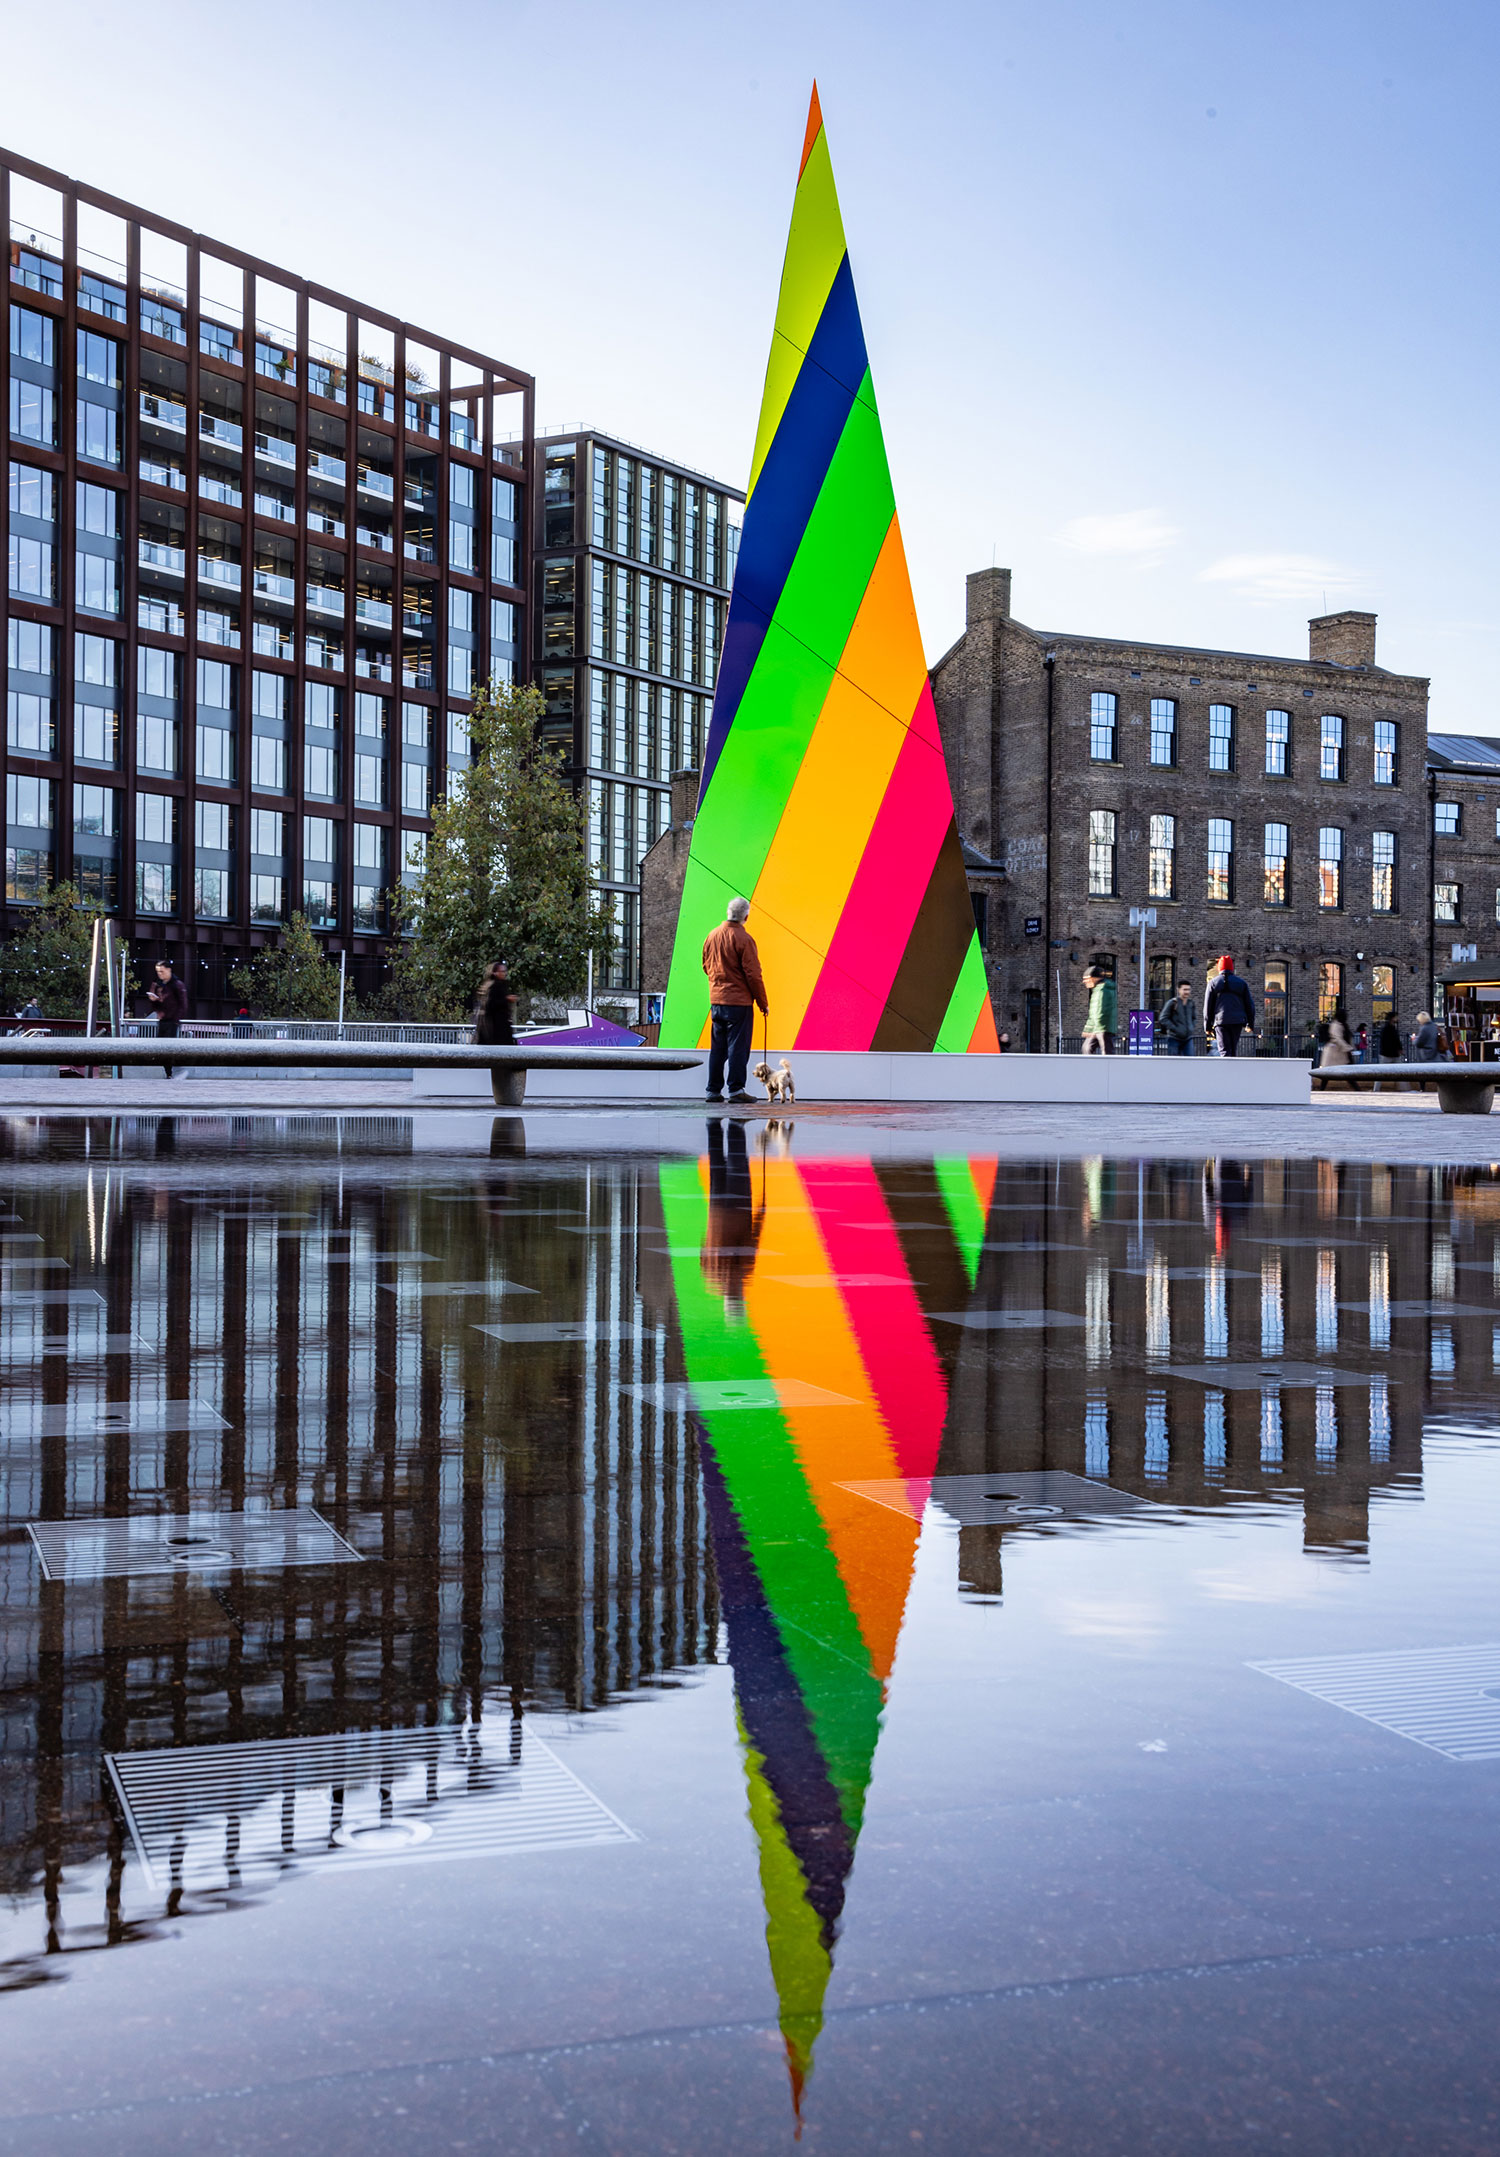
[824,1075]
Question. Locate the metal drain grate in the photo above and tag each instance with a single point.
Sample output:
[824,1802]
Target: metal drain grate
[1266,1377]
[1007,1321]
[713,1395]
[206,1816]
[1447,1699]
[1003,1499]
[85,1419]
[188,1543]
[564,1329]
[417,1286]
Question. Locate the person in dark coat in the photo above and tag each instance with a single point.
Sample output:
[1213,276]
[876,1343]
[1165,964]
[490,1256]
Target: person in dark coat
[495,1009]
[1228,1007]
[169,996]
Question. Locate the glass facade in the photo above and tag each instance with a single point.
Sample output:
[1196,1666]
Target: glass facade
[241,571]
[634,562]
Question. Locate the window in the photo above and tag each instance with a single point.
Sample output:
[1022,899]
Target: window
[31,572]
[369,781]
[28,647]
[28,874]
[370,716]
[319,838]
[368,909]
[1447,819]
[1331,747]
[266,833]
[269,695]
[155,743]
[30,724]
[1163,730]
[211,893]
[1102,852]
[31,335]
[369,847]
[268,764]
[97,880]
[98,359]
[266,898]
[1161,979]
[156,819]
[1330,867]
[95,659]
[215,827]
[1383,872]
[461,546]
[1445,902]
[158,674]
[31,493]
[1330,988]
[96,734]
[155,887]
[98,510]
[320,902]
[94,810]
[1385,752]
[1275,852]
[320,772]
[1278,744]
[460,670]
[216,755]
[416,789]
[28,802]
[415,725]
[1161,882]
[1221,737]
[1102,727]
[1382,993]
[98,433]
[1220,861]
[97,587]
[33,413]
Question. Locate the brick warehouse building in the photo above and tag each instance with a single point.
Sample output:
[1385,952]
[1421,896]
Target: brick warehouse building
[1273,808]
[263,540]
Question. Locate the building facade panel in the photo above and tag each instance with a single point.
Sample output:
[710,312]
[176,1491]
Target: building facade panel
[263,542]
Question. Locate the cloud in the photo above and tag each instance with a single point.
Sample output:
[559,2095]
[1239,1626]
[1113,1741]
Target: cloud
[1142,534]
[1280,576]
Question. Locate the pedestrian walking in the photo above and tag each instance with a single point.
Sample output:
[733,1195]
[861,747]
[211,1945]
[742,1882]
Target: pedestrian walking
[495,1009]
[1388,1040]
[1426,1042]
[169,996]
[1102,1020]
[1178,1022]
[31,1009]
[735,989]
[1338,1049]
[1228,1008]
[1362,1045]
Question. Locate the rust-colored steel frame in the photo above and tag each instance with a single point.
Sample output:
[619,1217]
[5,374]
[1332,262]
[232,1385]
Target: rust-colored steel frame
[182,936]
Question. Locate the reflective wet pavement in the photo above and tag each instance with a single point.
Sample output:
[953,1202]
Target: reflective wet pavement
[661,1650]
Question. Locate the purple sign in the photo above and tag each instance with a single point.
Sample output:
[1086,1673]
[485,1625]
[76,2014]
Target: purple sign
[1141,1033]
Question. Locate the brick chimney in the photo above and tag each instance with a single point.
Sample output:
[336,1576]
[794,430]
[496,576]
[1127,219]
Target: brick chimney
[684,798]
[1343,640]
[988,597]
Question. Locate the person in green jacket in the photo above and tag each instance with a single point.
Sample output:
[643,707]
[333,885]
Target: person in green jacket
[1100,1026]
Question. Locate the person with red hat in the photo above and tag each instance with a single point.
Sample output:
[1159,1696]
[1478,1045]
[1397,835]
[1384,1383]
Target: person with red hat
[1228,1008]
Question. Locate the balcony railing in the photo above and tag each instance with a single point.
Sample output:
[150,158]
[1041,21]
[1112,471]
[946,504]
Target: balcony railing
[324,520]
[381,484]
[161,317]
[322,466]
[173,560]
[101,296]
[382,542]
[37,272]
[325,599]
[375,612]
[419,550]
[212,569]
[220,430]
[164,475]
[275,447]
[268,585]
[164,411]
[271,505]
[220,490]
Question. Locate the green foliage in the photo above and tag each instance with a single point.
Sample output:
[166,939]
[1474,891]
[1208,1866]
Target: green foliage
[292,980]
[49,957]
[506,874]
[412,993]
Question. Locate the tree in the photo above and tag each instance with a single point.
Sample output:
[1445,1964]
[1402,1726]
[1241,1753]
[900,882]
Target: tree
[294,979]
[506,872]
[49,957]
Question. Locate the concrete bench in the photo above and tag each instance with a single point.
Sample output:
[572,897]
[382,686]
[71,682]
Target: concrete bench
[1462,1089]
[507,1066]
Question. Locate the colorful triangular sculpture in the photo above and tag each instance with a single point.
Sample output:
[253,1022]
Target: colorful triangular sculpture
[824,798]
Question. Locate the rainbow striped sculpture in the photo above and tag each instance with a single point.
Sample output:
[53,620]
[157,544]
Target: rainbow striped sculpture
[825,799]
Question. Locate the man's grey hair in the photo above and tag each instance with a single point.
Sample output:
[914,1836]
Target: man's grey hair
[737,909]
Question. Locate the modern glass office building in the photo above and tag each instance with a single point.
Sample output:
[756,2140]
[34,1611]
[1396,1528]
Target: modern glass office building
[263,540]
[634,558]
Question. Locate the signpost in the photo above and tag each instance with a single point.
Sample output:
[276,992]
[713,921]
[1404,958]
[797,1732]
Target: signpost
[1140,1036]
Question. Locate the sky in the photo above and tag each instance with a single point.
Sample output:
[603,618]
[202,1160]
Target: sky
[1186,313]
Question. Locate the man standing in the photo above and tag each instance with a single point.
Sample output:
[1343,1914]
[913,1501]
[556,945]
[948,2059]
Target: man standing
[1229,1007]
[735,988]
[170,998]
[1178,1022]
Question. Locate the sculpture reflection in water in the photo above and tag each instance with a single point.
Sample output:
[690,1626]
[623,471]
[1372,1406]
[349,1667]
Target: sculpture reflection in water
[812,1367]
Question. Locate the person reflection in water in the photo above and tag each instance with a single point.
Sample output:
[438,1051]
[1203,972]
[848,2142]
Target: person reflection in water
[733,1229]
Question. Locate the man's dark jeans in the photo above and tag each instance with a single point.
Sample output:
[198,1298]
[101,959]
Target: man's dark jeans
[1229,1031]
[730,1033]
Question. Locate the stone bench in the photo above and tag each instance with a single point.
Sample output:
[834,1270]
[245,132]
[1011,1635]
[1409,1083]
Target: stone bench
[1462,1089]
[507,1066]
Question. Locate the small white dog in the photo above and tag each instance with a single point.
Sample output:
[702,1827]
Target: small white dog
[778,1083]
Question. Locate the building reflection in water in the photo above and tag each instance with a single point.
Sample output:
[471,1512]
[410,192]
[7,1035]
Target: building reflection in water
[571,1412]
